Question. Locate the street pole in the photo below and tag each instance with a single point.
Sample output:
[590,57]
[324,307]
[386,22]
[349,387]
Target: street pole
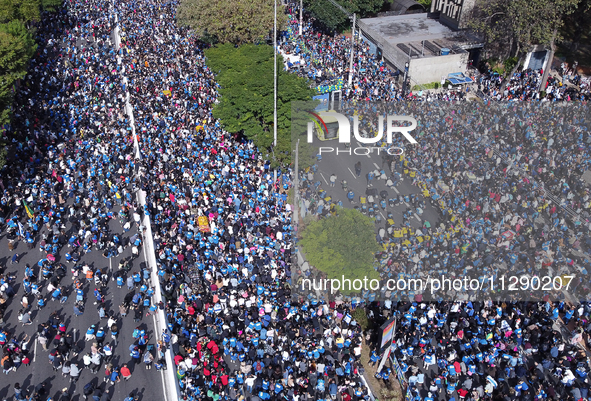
[275,78]
[296,186]
[352,52]
[301,15]
[404,82]
[275,90]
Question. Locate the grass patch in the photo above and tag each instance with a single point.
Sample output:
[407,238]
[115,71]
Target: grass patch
[430,85]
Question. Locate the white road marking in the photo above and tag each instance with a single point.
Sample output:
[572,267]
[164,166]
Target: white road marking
[376,164]
[417,216]
[384,217]
[407,204]
[396,190]
[35,351]
[354,176]
[324,178]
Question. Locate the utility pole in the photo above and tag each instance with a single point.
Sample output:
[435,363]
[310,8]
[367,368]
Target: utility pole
[352,53]
[296,187]
[275,91]
[406,65]
[301,15]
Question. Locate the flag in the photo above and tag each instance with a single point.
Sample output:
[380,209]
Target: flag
[21,229]
[28,209]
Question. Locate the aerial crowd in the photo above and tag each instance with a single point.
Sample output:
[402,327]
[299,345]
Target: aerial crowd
[222,229]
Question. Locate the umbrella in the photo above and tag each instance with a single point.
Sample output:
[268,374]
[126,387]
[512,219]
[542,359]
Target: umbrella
[51,257]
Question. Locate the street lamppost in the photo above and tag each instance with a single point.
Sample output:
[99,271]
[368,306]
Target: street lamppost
[352,53]
[405,77]
[301,16]
[275,92]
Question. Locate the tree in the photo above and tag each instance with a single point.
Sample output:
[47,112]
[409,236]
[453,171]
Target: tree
[342,245]
[361,318]
[511,27]
[23,10]
[334,18]
[235,21]
[17,46]
[580,23]
[245,76]
[51,5]
[16,49]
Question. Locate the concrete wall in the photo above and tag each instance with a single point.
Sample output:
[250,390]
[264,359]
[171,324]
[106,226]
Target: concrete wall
[421,70]
[454,13]
[431,69]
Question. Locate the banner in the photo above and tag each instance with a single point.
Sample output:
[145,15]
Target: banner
[408,396]
[203,224]
[398,370]
[387,332]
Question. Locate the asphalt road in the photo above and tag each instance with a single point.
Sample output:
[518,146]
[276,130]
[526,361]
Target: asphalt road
[148,384]
[40,370]
[343,165]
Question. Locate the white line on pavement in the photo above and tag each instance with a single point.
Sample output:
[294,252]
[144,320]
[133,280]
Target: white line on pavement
[324,178]
[382,214]
[376,164]
[396,190]
[417,216]
[354,176]
[35,351]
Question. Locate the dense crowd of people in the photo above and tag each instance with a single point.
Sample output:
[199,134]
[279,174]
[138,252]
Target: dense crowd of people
[325,58]
[68,191]
[491,174]
[500,351]
[222,225]
[222,235]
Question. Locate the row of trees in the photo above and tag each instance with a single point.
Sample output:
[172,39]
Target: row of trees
[512,27]
[17,46]
[245,76]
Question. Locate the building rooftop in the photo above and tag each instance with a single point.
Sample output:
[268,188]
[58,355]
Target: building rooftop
[415,34]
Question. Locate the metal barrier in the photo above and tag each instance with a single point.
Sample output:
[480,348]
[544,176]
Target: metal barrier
[169,383]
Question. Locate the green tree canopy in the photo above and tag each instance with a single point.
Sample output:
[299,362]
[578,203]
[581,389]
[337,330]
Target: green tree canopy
[334,18]
[235,21]
[16,48]
[245,76]
[342,245]
[22,10]
[511,27]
